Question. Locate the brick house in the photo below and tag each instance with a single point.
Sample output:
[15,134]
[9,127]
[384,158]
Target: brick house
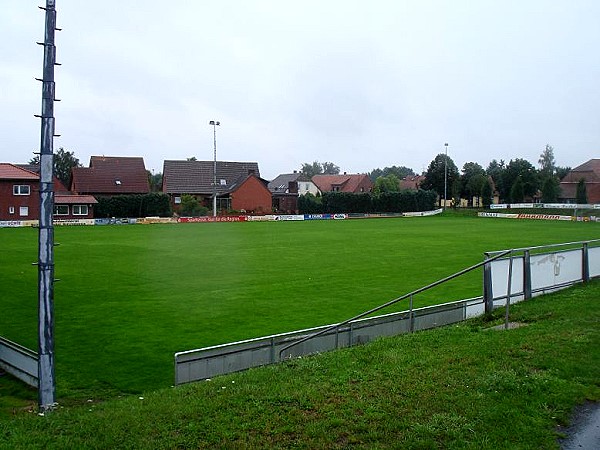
[239,186]
[353,183]
[110,176]
[250,194]
[20,198]
[286,188]
[411,182]
[590,173]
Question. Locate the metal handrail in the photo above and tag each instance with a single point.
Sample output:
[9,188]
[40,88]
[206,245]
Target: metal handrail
[564,244]
[396,300]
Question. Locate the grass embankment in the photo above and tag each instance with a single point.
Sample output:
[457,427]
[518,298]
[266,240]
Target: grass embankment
[456,387]
[129,297]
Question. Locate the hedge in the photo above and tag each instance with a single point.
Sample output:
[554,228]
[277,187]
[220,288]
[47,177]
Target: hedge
[137,205]
[344,202]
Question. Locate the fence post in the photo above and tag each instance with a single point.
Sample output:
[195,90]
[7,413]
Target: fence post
[585,263]
[488,296]
[526,275]
[411,316]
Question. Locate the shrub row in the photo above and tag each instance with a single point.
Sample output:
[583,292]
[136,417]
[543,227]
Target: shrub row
[147,205]
[344,202]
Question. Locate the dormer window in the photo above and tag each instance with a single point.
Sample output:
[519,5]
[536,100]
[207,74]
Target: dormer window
[223,182]
[118,182]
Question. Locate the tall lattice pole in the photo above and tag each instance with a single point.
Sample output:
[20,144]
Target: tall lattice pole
[46,380]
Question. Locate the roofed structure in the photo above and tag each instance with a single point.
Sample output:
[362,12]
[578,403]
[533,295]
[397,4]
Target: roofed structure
[196,177]
[111,175]
[412,182]
[590,173]
[354,183]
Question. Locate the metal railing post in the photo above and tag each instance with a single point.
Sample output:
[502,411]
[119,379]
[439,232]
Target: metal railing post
[411,316]
[508,290]
[488,293]
[526,275]
[585,263]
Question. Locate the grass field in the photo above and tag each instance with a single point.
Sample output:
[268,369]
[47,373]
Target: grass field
[131,296]
[457,387]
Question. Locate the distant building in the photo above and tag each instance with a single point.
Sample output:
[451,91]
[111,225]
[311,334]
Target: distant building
[20,196]
[286,188]
[353,183]
[239,186]
[411,182]
[110,176]
[590,173]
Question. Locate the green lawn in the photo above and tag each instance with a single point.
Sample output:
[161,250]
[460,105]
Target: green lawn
[457,387]
[131,296]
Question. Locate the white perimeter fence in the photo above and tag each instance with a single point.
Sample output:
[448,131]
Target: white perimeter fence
[533,271]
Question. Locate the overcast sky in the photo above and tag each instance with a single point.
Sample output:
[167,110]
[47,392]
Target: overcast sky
[364,84]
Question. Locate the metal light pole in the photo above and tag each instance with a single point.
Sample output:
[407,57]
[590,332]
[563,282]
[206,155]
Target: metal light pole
[46,380]
[445,175]
[215,123]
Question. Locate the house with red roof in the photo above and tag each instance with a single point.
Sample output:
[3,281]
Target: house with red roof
[589,172]
[20,198]
[238,185]
[353,183]
[411,182]
[110,176]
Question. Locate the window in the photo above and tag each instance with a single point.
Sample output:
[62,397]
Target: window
[223,182]
[61,210]
[21,189]
[177,200]
[118,182]
[11,209]
[80,210]
[24,211]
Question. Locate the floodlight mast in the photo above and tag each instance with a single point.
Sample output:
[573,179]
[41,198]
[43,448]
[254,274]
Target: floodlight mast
[46,380]
[215,124]
[445,175]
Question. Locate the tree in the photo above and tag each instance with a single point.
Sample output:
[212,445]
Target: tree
[472,179]
[316,168]
[330,168]
[581,193]
[389,183]
[529,178]
[155,181]
[434,177]
[496,170]
[517,190]
[546,162]
[550,189]
[548,180]
[486,194]
[191,207]
[63,162]
[191,158]
[400,171]
[562,172]
[310,170]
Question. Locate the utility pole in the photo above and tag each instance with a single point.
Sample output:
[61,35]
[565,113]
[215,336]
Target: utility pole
[46,380]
